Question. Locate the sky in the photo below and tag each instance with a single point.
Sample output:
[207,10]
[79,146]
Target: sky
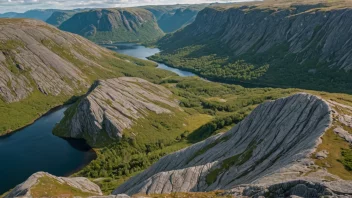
[24,5]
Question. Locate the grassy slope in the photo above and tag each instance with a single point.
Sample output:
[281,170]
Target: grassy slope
[49,187]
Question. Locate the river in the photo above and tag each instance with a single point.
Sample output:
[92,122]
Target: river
[35,148]
[142,52]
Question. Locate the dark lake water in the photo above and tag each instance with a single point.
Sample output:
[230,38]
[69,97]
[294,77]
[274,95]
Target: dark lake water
[35,148]
[142,52]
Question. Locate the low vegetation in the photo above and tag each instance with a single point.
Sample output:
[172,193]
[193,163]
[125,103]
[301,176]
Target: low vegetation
[49,187]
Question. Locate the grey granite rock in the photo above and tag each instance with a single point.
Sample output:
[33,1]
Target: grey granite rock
[114,105]
[277,137]
[30,60]
[322,154]
[344,134]
[79,183]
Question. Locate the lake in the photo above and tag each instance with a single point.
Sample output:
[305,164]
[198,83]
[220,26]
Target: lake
[35,148]
[142,52]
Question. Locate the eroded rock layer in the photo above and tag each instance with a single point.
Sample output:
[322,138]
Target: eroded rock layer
[112,106]
[274,137]
[37,56]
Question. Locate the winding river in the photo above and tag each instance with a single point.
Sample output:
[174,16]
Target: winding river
[35,148]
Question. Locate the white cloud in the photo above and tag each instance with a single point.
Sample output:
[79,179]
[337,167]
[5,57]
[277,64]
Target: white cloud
[24,5]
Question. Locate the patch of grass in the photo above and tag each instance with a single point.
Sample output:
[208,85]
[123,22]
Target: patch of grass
[49,187]
[347,158]
[338,157]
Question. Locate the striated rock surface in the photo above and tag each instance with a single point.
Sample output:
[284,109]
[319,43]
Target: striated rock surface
[112,106]
[272,145]
[41,182]
[114,25]
[37,56]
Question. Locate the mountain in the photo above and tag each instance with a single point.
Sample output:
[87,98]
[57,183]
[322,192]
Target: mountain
[8,15]
[278,146]
[300,44]
[115,25]
[112,106]
[58,17]
[39,62]
[42,15]
[173,17]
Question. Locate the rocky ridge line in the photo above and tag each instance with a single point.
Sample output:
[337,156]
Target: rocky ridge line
[277,137]
[114,105]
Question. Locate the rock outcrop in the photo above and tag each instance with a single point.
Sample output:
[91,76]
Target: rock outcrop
[278,137]
[112,106]
[114,25]
[42,184]
[297,188]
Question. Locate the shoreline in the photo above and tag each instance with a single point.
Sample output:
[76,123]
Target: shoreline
[56,108]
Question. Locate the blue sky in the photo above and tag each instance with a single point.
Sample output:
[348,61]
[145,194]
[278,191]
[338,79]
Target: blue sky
[24,5]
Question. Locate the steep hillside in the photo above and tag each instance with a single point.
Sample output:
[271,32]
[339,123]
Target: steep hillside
[278,44]
[41,63]
[276,143]
[173,17]
[42,15]
[114,25]
[58,17]
[112,106]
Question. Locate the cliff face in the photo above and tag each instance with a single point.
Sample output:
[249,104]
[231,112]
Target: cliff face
[299,42]
[33,56]
[116,25]
[113,105]
[275,137]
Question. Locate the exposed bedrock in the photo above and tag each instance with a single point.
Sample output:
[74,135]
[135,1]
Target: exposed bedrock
[112,106]
[275,137]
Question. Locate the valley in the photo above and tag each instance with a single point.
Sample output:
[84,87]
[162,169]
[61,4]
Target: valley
[247,99]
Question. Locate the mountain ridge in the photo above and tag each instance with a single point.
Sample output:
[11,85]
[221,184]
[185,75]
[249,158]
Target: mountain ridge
[115,25]
[285,45]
